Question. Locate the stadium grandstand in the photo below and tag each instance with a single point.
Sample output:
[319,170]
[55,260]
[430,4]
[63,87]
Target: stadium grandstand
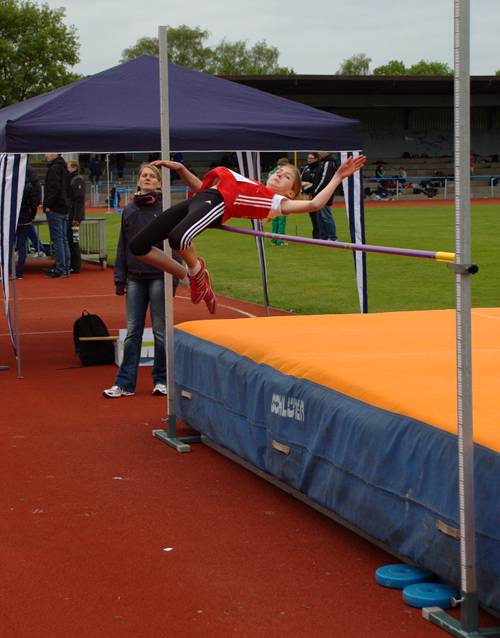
[407,121]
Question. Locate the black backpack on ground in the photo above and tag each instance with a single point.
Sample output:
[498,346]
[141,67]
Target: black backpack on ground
[92,353]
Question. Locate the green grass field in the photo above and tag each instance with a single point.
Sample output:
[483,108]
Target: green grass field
[311,280]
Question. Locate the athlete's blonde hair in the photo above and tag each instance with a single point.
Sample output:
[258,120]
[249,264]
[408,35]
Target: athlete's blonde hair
[297,180]
[283,161]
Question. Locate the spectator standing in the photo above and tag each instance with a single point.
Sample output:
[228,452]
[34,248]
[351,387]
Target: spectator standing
[473,162]
[143,286]
[176,157]
[95,169]
[278,225]
[379,171]
[36,249]
[76,214]
[324,174]
[56,206]
[308,176]
[229,160]
[32,197]
[120,164]
[382,192]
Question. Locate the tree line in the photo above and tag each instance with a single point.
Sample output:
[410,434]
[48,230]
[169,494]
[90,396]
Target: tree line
[359,64]
[38,50]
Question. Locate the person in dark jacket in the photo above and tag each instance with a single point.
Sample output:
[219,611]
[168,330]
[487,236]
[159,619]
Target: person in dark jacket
[143,286]
[32,197]
[56,206]
[95,169]
[76,214]
[326,170]
[308,177]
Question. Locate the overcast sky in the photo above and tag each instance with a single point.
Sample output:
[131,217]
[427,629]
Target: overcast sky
[313,36]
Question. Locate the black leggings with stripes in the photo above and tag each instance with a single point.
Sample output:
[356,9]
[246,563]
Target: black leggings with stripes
[181,223]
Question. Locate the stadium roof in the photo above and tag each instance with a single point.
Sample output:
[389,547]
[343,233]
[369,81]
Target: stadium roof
[484,89]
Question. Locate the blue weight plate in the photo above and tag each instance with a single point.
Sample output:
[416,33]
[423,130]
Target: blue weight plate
[430,595]
[399,576]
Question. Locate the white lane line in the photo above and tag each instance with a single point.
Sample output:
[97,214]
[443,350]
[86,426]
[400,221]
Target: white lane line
[237,310]
[60,297]
[56,332]
[221,305]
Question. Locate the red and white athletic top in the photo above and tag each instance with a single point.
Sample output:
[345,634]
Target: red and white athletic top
[243,197]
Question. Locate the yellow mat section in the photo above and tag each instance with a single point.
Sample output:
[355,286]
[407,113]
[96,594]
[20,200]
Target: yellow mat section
[404,362]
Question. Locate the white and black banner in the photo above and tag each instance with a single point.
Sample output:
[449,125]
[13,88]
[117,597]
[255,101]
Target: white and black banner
[249,166]
[12,178]
[354,201]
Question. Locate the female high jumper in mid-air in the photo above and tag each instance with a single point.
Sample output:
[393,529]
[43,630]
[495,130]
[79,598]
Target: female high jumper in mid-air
[223,194]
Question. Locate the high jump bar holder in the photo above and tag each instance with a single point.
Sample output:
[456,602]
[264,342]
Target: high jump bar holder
[467,626]
[168,436]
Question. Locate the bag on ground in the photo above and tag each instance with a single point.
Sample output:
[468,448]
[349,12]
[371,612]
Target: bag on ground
[92,353]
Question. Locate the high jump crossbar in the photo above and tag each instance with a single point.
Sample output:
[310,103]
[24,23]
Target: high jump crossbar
[365,248]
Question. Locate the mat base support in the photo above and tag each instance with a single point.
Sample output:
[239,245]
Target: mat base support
[453,626]
[179,443]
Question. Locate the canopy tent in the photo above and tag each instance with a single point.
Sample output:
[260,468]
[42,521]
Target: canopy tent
[118,110]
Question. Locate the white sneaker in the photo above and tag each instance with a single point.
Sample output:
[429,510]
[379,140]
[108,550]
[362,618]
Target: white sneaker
[160,389]
[115,392]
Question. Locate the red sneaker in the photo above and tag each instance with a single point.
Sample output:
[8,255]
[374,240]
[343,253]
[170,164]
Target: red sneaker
[198,283]
[209,298]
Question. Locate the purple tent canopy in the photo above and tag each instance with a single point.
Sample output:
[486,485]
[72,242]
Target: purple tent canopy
[118,110]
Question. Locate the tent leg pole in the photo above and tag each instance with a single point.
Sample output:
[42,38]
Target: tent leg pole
[168,436]
[108,181]
[16,322]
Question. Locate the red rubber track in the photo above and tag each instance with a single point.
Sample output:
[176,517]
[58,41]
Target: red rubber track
[91,502]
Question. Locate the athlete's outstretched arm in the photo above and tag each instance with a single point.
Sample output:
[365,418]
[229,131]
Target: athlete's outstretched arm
[348,168]
[187,177]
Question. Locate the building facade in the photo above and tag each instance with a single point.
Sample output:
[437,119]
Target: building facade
[400,116]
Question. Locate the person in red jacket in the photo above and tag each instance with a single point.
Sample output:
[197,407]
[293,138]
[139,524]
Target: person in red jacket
[223,194]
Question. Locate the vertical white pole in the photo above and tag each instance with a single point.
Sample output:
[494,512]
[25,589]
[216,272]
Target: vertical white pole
[108,180]
[469,616]
[170,436]
[166,196]
[16,321]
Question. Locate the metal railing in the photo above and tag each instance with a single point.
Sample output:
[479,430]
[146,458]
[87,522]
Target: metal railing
[93,240]
[115,197]
[440,182]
